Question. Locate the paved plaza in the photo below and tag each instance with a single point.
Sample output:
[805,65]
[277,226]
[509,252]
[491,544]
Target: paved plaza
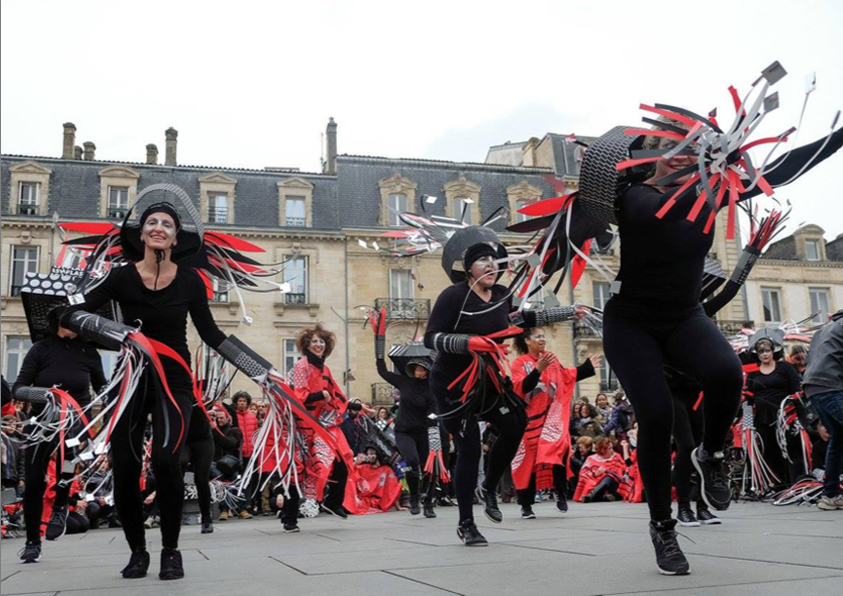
[600,548]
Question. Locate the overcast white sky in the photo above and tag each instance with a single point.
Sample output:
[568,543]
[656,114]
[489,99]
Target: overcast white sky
[252,84]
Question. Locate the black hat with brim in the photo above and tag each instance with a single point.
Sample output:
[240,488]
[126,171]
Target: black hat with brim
[455,250]
[405,356]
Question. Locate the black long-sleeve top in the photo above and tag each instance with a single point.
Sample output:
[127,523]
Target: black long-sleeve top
[162,313]
[70,364]
[417,401]
[662,259]
[770,390]
[454,313]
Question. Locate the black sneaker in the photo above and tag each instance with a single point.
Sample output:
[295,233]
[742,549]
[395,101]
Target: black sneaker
[562,505]
[527,512]
[207,527]
[138,565]
[57,525]
[291,528]
[171,565]
[706,517]
[490,504]
[414,506]
[669,557]
[470,535]
[335,511]
[31,553]
[428,510]
[714,481]
[686,518]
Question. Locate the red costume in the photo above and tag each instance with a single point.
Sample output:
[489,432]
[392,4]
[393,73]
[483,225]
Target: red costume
[378,489]
[547,440]
[310,382]
[595,469]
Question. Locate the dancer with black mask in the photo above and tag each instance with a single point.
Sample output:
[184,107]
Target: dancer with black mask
[467,326]
[665,219]
[60,359]
[416,410]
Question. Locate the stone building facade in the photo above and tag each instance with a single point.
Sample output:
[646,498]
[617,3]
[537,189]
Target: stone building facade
[326,222]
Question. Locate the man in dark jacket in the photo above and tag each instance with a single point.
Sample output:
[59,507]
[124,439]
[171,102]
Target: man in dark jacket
[227,440]
[823,385]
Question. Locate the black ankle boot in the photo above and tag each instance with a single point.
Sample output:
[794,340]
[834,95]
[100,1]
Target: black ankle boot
[414,505]
[171,564]
[138,564]
[470,535]
[428,509]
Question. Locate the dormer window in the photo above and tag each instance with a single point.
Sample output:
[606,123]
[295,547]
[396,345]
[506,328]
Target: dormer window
[812,250]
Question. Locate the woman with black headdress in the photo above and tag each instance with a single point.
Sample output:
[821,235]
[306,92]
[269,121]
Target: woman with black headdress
[416,414]
[157,293]
[467,326]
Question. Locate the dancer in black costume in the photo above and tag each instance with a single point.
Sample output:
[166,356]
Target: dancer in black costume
[654,316]
[475,306]
[416,413]
[63,360]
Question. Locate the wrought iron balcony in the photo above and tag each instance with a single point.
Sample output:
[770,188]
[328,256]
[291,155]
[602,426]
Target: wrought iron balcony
[117,212]
[583,330]
[383,394]
[729,328]
[294,298]
[295,222]
[27,209]
[218,215]
[404,308]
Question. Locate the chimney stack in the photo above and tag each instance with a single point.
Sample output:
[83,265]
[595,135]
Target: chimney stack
[88,151]
[170,155]
[77,152]
[331,136]
[152,154]
[69,140]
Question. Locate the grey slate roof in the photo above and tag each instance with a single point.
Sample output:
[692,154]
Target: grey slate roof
[834,249]
[75,189]
[359,193]
[565,155]
[782,250]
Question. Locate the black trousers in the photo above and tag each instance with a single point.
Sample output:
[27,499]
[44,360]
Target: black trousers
[509,424]
[36,460]
[527,496]
[638,341]
[77,523]
[413,446]
[688,426]
[336,485]
[200,454]
[127,453]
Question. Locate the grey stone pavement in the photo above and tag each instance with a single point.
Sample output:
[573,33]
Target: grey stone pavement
[601,548]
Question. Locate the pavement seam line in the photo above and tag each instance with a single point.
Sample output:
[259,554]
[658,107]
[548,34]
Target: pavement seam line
[753,583]
[826,567]
[288,566]
[416,581]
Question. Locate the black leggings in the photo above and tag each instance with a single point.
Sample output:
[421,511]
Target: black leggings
[200,454]
[336,485]
[527,496]
[36,460]
[413,448]
[638,341]
[77,523]
[127,453]
[687,434]
[510,426]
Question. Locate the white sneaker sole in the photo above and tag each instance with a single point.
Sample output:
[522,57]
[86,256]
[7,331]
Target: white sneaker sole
[665,572]
[694,524]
